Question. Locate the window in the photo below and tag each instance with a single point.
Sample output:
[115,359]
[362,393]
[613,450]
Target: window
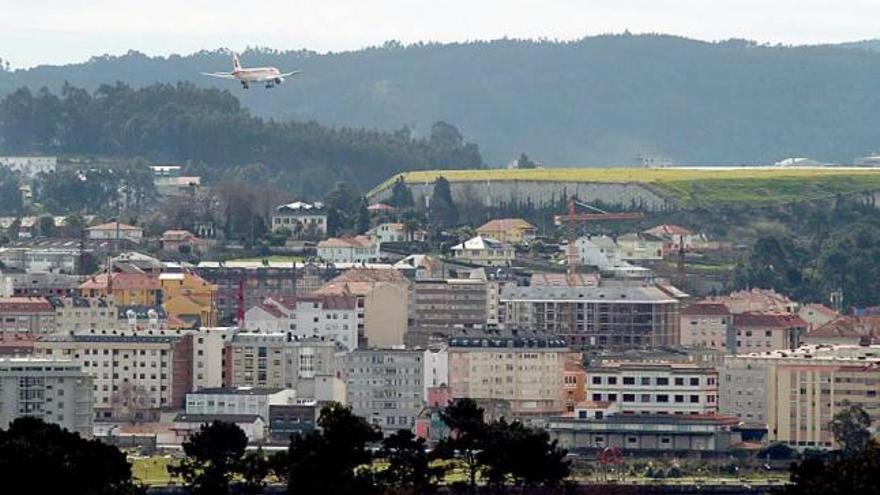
[612,380]
[629,380]
[695,382]
[597,380]
[695,399]
[645,398]
[679,381]
[646,380]
[629,397]
[662,381]
[662,398]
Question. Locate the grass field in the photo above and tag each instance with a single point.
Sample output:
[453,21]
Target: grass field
[151,470]
[691,186]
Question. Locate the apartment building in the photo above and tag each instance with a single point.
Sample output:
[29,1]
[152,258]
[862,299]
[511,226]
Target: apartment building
[211,346]
[764,331]
[795,394]
[385,386]
[310,366]
[83,315]
[607,313]
[449,303]
[526,372]
[54,390]
[382,303]
[38,284]
[706,324]
[436,368]
[641,388]
[328,317]
[134,375]
[243,285]
[495,279]
[27,315]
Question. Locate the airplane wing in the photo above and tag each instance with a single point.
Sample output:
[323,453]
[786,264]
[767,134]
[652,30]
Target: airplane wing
[221,75]
[288,74]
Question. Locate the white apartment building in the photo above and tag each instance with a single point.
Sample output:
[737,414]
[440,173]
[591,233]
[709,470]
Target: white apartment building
[37,259]
[329,317]
[54,390]
[209,356]
[706,325]
[134,375]
[639,388]
[385,386]
[484,251]
[796,393]
[388,232]
[358,249]
[84,315]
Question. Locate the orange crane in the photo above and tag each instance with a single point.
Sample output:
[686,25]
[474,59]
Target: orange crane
[573,219]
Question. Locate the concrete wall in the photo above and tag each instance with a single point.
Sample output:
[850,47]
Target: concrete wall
[493,193]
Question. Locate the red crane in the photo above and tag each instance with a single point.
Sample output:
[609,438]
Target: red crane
[573,219]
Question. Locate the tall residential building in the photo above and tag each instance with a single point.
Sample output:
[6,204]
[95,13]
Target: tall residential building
[210,365]
[525,372]
[706,324]
[795,394]
[449,303]
[243,285]
[436,368]
[54,390]
[329,317]
[135,375]
[609,313]
[764,331]
[83,315]
[382,301]
[385,386]
[26,315]
[277,360]
[641,388]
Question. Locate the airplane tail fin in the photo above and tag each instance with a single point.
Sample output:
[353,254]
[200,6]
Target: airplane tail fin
[236,64]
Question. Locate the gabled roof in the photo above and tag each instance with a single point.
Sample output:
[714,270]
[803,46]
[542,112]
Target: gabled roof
[479,242]
[177,235]
[505,224]
[769,319]
[360,241]
[849,327]
[706,309]
[25,304]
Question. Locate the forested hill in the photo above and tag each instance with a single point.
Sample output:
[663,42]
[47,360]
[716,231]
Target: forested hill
[603,100]
[208,128]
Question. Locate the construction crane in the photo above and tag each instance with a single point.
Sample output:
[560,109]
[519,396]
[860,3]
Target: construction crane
[573,219]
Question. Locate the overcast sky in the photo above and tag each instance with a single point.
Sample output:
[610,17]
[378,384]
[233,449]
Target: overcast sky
[36,32]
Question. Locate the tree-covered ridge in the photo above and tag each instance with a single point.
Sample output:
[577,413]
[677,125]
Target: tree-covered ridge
[184,123]
[602,100]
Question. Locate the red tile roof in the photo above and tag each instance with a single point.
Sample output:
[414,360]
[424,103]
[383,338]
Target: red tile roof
[25,304]
[849,327]
[706,309]
[667,230]
[769,319]
[360,241]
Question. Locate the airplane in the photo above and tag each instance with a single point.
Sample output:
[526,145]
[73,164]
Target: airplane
[270,76]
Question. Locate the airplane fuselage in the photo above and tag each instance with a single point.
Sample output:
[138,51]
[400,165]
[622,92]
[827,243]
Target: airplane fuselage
[259,74]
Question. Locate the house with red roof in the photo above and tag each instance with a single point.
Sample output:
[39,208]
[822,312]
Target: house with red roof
[766,331]
[358,249]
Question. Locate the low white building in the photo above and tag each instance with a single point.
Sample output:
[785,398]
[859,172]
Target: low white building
[253,425]
[358,249]
[300,218]
[115,231]
[484,251]
[599,251]
[237,401]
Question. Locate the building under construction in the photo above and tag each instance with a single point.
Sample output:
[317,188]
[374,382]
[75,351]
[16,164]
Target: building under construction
[610,314]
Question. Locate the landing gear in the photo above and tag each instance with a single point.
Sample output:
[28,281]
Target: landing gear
[245,85]
[269,85]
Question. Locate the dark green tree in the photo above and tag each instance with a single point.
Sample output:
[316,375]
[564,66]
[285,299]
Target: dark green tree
[851,427]
[855,475]
[254,469]
[46,225]
[514,453]
[213,457]
[10,196]
[362,219]
[401,194]
[326,461]
[468,429]
[525,162]
[36,457]
[442,211]
[408,467]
